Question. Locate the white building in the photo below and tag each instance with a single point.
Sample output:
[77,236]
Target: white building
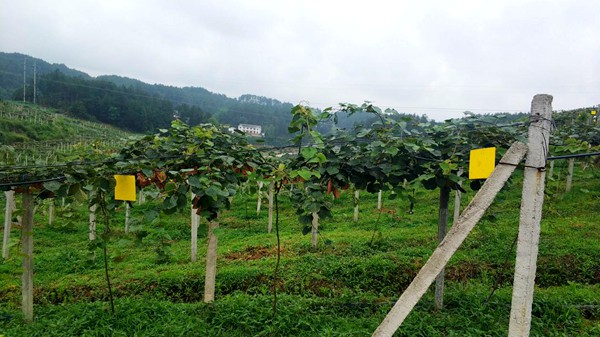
[251,129]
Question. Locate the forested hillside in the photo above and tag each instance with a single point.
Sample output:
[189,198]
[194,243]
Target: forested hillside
[271,114]
[135,105]
[11,71]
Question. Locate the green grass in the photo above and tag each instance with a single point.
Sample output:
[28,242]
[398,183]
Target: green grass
[344,288]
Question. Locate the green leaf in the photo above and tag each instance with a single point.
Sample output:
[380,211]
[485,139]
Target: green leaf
[318,158]
[52,186]
[445,168]
[194,181]
[316,136]
[170,187]
[392,150]
[308,152]
[332,170]
[170,203]
[305,174]
[147,172]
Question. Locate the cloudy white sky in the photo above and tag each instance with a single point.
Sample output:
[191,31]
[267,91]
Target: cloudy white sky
[427,57]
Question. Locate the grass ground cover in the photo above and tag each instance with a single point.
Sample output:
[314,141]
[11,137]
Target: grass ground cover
[344,288]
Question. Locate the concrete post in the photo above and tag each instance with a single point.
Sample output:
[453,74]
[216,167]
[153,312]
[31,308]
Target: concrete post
[270,198]
[570,176]
[259,201]
[92,234]
[551,170]
[127,216]
[27,253]
[51,212]
[442,229]
[211,263]
[10,207]
[531,215]
[314,231]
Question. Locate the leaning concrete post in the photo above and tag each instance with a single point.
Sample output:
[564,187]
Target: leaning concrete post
[531,215]
[455,237]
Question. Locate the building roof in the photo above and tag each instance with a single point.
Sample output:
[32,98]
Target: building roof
[249,126]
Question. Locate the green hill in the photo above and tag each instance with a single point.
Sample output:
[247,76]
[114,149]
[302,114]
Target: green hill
[11,71]
[133,104]
[35,132]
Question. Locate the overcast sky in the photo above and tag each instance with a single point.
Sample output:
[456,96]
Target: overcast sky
[437,58]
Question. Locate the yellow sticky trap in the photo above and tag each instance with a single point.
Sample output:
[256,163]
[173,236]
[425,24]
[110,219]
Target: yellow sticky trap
[593,112]
[125,189]
[482,163]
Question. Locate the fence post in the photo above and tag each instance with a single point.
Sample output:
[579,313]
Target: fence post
[27,252]
[531,215]
[570,176]
[259,197]
[442,229]
[127,216]
[270,198]
[314,230]
[456,236]
[51,212]
[92,233]
[551,170]
[194,240]
[10,207]
[211,263]
[141,198]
